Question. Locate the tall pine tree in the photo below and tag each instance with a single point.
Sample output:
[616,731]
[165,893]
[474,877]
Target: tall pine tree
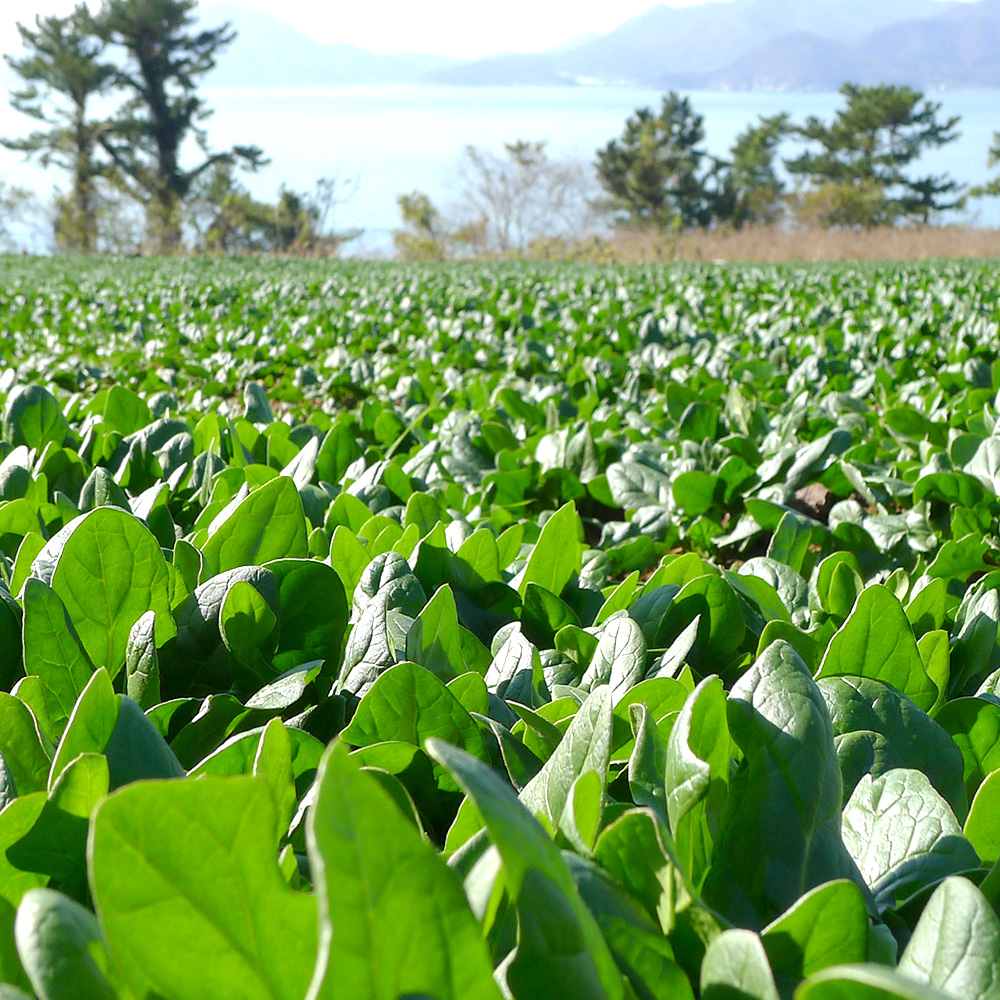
[858,165]
[63,69]
[166,56]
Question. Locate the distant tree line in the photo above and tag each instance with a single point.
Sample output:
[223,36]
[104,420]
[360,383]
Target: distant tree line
[129,183]
[131,188]
[858,170]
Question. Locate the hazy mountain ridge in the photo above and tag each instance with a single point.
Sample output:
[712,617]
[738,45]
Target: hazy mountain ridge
[955,50]
[739,45]
[702,42]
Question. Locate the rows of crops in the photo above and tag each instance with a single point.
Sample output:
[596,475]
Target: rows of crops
[374,633]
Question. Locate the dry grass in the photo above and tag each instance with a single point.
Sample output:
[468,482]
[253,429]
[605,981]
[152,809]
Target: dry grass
[773,244]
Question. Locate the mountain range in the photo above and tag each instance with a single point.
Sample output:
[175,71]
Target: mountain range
[772,45]
[735,45]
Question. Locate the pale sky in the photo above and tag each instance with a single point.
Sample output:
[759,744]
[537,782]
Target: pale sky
[465,28]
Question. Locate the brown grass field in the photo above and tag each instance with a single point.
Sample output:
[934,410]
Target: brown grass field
[762,244]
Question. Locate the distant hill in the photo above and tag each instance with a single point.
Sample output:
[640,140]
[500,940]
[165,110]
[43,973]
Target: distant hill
[958,48]
[674,41]
[268,52]
[736,45]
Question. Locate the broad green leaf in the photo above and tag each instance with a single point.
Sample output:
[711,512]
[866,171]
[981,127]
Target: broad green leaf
[699,421]
[242,931]
[25,757]
[586,746]
[544,614]
[246,621]
[838,583]
[100,490]
[370,650]
[31,545]
[827,926]
[926,610]
[566,945]
[735,968]
[695,492]
[336,453]
[909,738]
[761,593]
[791,540]
[633,852]
[619,599]
[16,821]
[33,418]
[981,828]
[973,648]
[54,652]
[11,969]
[805,645]
[268,524]
[903,835]
[348,558]
[647,766]
[864,982]
[478,559]
[935,653]
[789,585]
[643,954]
[663,696]
[62,949]
[877,641]
[125,410]
[521,764]
[433,640]
[956,944]
[721,629]
[647,959]
[698,756]
[557,554]
[409,704]
[779,834]
[620,658]
[56,844]
[109,571]
[516,670]
[974,725]
[314,612]
[90,726]
[142,665]
[393,918]
[136,751]
[471,691]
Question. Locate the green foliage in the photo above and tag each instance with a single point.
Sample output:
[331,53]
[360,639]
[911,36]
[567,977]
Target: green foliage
[424,235]
[859,171]
[468,632]
[992,187]
[658,172]
[64,69]
[756,189]
[164,59]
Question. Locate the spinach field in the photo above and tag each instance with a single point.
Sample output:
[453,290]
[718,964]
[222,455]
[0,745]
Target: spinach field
[373,632]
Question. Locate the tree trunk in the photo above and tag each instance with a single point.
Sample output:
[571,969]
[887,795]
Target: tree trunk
[163,222]
[82,236]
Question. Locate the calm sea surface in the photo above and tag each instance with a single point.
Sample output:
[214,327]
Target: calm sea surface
[395,139]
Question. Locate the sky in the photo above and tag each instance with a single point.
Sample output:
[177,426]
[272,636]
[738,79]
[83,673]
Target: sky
[463,28]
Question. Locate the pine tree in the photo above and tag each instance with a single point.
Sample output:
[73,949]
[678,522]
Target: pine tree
[860,167]
[658,172]
[166,57]
[63,69]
